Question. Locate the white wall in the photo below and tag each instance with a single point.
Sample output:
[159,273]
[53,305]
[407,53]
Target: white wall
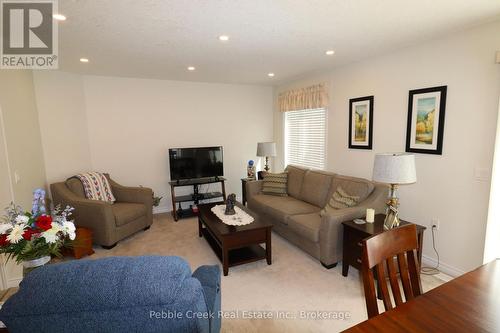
[446,187]
[21,151]
[131,123]
[492,241]
[63,124]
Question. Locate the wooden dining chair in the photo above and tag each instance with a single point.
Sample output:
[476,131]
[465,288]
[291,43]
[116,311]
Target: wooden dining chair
[379,257]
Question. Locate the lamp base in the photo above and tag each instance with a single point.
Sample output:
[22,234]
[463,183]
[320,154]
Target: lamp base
[391,212]
[266,166]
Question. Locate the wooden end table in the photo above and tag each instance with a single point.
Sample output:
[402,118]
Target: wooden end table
[355,233]
[82,245]
[235,245]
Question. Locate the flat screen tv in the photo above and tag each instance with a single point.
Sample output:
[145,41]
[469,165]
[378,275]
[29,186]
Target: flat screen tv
[200,162]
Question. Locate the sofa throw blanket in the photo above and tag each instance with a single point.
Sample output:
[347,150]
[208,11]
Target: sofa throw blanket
[96,186]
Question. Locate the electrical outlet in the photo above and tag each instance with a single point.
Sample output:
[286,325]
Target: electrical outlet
[435,223]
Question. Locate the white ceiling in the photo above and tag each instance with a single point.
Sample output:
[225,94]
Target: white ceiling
[160,38]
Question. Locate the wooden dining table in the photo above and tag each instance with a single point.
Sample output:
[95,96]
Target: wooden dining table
[469,303]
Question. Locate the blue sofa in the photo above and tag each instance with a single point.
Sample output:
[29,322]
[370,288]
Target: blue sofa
[117,294]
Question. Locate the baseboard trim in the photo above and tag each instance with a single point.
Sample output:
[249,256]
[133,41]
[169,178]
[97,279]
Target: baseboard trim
[443,267]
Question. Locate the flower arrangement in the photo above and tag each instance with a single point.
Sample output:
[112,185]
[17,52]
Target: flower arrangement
[26,236]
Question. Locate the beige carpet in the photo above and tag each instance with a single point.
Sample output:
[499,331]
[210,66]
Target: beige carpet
[294,283]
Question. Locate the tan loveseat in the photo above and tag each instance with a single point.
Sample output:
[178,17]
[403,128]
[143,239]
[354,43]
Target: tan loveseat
[110,223]
[297,216]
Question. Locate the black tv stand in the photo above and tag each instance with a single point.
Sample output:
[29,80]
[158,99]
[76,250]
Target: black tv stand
[195,196]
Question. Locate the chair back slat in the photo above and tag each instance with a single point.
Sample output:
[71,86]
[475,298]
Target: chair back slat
[414,268]
[369,287]
[405,278]
[381,249]
[393,278]
[383,286]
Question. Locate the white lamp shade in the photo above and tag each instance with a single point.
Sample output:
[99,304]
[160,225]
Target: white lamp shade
[394,168]
[266,149]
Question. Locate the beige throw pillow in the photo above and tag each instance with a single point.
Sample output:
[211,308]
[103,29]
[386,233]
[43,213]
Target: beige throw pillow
[340,199]
[275,184]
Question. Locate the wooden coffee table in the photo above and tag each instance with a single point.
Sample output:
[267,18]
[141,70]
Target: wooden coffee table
[235,245]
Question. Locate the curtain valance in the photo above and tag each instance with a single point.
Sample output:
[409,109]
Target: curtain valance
[313,97]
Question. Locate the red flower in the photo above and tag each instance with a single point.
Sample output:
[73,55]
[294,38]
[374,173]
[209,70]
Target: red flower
[44,222]
[3,240]
[28,233]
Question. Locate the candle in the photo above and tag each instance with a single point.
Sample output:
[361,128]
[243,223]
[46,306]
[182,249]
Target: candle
[370,215]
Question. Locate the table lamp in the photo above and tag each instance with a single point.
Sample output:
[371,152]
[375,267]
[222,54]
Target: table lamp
[394,169]
[266,149]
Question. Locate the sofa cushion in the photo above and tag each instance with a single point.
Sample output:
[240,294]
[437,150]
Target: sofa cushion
[126,212]
[275,183]
[315,187]
[295,179]
[359,187]
[76,186]
[279,208]
[306,225]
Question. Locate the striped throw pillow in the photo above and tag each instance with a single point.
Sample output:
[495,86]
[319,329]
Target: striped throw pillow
[340,199]
[275,184]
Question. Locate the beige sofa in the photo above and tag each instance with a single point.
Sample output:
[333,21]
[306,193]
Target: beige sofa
[297,216]
[110,223]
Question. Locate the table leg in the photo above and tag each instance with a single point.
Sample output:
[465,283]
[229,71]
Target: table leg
[225,259]
[268,247]
[199,227]
[345,267]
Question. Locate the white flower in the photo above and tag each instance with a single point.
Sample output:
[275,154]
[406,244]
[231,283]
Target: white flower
[55,227]
[50,236]
[4,227]
[72,235]
[68,227]
[22,219]
[16,234]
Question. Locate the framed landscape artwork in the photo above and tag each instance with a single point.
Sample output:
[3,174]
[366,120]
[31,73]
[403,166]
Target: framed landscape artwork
[426,110]
[361,122]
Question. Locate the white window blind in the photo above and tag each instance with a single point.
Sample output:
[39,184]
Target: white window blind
[305,138]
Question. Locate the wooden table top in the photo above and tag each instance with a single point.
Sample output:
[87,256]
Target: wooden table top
[377,226]
[469,303]
[222,229]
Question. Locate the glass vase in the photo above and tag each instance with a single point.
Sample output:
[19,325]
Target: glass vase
[29,265]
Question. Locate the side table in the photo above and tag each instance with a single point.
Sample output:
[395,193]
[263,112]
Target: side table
[82,245]
[355,233]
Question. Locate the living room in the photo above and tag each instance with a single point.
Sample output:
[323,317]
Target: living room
[134,81]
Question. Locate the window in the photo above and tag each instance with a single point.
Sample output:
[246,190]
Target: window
[305,138]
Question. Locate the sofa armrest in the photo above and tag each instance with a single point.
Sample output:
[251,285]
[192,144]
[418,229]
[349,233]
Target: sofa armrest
[331,231]
[209,277]
[253,187]
[331,235]
[122,193]
[92,214]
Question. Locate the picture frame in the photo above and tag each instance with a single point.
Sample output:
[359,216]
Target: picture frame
[361,122]
[426,117]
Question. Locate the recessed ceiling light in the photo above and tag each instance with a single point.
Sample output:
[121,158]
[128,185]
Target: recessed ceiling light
[270,74]
[84,60]
[223,38]
[59,17]
[191,68]
[330,52]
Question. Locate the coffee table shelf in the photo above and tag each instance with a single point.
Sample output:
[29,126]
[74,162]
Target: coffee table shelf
[235,245]
[238,256]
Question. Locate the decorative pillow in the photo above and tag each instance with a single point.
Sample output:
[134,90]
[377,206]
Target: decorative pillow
[340,199]
[275,184]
